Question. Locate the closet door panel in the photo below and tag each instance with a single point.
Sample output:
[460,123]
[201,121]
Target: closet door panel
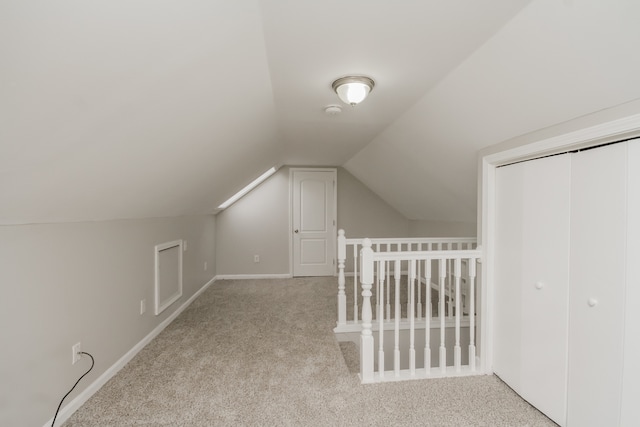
[630,413]
[507,357]
[545,285]
[597,265]
[531,286]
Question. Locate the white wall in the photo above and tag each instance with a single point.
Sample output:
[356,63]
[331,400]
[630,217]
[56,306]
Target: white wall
[258,224]
[70,282]
[362,213]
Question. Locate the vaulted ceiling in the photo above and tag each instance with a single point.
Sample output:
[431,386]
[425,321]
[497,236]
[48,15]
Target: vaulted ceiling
[147,108]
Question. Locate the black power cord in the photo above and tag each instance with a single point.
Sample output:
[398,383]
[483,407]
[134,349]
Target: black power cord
[93,362]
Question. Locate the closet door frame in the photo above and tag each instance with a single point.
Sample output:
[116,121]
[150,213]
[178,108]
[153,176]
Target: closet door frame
[624,128]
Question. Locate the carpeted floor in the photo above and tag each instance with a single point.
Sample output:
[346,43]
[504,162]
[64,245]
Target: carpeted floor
[262,353]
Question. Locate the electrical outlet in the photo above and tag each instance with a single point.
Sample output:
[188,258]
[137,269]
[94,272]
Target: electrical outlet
[75,353]
[143,306]
[205,266]
[256,258]
[184,246]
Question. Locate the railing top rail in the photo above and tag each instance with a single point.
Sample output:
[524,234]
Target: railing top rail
[427,255]
[358,241]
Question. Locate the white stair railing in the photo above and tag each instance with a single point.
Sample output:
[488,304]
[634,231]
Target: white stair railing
[379,265]
[348,264]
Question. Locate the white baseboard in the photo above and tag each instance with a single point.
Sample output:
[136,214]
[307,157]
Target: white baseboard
[68,410]
[252,276]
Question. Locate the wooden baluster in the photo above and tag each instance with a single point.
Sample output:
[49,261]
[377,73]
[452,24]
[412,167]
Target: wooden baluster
[450,295]
[374,306]
[388,289]
[381,277]
[412,317]
[342,296]
[457,358]
[396,346]
[442,275]
[408,308]
[366,337]
[419,303]
[427,318]
[465,287]
[355,283]
[472,313]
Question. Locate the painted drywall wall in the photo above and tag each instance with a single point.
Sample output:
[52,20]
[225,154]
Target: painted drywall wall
[362,213]
[554,61]
[64,283]
[258,224]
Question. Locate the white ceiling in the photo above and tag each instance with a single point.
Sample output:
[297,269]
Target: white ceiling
[151,108]
[406,47]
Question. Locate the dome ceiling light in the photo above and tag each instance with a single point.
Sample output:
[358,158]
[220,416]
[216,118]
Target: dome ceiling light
[353,90]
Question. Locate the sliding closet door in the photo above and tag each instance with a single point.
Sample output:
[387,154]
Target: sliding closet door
[597,265]
[532,281]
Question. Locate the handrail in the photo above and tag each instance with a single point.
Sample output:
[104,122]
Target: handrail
[423,255]
[404,240]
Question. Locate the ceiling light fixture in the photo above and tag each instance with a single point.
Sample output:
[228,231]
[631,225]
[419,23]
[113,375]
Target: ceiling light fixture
[353,90]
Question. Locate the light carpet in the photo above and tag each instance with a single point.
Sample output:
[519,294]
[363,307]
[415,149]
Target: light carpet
[262,353]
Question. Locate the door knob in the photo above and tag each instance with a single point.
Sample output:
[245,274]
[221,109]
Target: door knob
[592,302]
[295,231]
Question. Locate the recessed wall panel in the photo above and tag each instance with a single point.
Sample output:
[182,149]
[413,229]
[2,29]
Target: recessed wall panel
[314,204]
[313,251]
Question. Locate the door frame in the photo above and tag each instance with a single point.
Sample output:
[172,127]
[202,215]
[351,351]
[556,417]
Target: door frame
[611,131]
[334,213]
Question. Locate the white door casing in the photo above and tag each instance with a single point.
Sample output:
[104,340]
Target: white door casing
[313,221]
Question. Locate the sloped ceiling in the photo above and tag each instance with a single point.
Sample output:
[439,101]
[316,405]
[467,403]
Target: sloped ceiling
[147,108]
[553,62]
[125,109]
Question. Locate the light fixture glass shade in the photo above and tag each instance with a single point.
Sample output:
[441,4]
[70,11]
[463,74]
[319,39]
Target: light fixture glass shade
[353,90]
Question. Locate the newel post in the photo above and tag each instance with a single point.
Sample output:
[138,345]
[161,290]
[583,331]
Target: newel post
[342,297]
[366,338]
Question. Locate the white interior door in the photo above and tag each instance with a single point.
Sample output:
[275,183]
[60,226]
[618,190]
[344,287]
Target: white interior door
[314,221]
[532,281]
